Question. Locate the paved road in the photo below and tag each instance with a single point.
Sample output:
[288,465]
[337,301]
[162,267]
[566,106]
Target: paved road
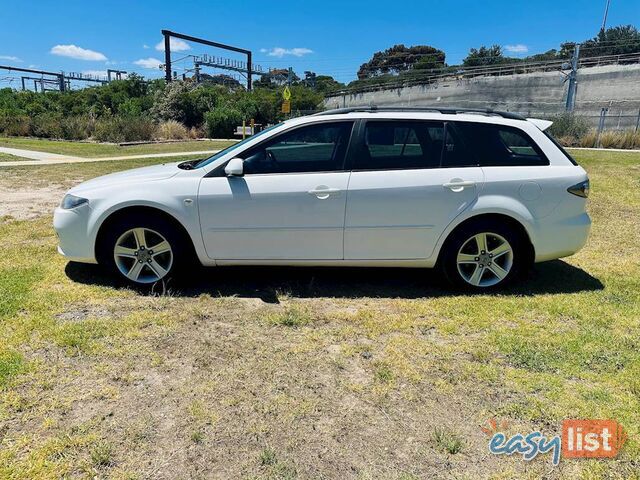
[45,158]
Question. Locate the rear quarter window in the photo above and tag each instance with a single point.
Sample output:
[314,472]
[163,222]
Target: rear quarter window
[560,147]
[501,145]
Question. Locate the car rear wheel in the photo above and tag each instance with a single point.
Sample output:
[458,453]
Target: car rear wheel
[483,256]
[143,251]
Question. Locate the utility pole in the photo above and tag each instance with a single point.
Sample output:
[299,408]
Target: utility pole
[604,19]
[573,80]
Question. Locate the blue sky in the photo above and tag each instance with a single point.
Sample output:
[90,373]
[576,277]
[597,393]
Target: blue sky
[330,37]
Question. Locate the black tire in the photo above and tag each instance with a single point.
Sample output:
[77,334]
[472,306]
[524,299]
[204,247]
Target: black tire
[156,229]
[461,276]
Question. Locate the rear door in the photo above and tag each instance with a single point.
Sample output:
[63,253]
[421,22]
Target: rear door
[409,180]
[516,167]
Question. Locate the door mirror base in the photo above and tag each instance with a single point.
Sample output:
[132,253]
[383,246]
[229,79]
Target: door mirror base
[235,168]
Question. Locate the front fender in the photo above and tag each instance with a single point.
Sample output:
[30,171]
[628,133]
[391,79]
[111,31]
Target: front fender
[183,207]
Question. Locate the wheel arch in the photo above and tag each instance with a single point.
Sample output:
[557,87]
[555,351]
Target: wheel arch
[513,222]
[126,211]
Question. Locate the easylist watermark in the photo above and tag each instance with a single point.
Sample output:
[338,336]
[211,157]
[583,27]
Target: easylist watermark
[579,439]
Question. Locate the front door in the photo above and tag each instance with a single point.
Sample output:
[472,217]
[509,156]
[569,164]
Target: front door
[410,179]
[288,205]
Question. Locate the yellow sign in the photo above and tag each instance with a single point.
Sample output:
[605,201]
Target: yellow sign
[286,94]
[286,106]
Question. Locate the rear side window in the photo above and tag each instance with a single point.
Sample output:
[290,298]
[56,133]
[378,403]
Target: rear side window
[400,145]
[501,145]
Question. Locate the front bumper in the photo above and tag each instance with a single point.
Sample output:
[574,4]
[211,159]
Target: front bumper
[71,227]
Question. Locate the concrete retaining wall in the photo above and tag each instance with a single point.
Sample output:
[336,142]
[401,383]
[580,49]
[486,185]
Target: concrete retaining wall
[616,87]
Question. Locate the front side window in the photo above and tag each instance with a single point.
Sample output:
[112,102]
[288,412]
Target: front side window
[401,145]
[501,145]
[313,148]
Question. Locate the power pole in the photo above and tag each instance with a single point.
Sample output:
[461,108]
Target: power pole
[167,55]
[604,19]
[573,80]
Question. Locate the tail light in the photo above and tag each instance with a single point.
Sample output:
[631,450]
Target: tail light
[580,189]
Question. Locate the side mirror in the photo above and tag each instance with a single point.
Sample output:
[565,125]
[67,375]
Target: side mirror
[234,168]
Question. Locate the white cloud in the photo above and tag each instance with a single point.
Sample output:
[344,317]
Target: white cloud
[146,47]
[148,63]
[281,52]
[518,48]
[78,53]
[10,58]
[176,44]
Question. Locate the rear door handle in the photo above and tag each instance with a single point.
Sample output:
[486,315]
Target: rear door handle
[458,186]
[324,192]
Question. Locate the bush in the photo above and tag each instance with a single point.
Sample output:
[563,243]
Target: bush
[15,125]
[79,127]
[569,125]
[47,125]
[610,139]
[196,132]
[124,129]
[222,122]
[172,130]
[589,140]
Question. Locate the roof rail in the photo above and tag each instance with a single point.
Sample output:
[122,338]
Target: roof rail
[449,111]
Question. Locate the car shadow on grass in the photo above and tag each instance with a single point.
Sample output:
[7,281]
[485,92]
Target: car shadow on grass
[268,283]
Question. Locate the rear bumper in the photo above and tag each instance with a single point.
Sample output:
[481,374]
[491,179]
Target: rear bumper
[561,238]
[72,231]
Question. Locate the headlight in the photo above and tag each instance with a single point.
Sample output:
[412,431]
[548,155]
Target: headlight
[71,201]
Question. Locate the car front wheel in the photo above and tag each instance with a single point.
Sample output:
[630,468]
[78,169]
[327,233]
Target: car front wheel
[142,251]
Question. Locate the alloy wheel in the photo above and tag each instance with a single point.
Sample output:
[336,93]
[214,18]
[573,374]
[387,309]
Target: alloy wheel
[143,255]
[485,259]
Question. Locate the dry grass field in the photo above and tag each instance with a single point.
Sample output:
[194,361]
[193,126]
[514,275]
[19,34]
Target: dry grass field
[311,373]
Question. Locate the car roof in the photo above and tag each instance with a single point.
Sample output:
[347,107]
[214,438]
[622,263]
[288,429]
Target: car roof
[422,113]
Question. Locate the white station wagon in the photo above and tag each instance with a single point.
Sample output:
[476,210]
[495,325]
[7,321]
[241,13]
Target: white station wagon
[479,193]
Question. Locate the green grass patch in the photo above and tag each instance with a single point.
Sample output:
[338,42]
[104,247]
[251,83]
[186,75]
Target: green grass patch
[291,317]
[96,150]
[447,441]
[5,157]
[11,364]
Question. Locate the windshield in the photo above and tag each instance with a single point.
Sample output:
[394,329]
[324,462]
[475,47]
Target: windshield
[221,153]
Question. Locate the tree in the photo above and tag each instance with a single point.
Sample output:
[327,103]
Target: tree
[485,56]
[276,78]
[220,79]
[321,83]
[613,41]
[400,58]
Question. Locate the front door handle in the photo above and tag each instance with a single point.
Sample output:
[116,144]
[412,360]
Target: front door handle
[459,185]
[323,192]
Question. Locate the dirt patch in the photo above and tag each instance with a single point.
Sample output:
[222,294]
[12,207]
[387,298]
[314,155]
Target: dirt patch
[230,394]
[28,203]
